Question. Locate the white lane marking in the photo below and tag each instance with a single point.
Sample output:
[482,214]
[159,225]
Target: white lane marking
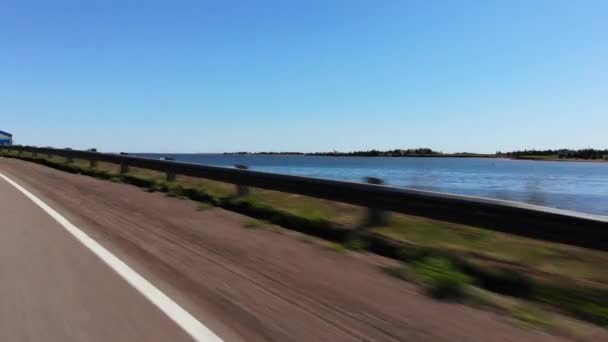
[175,312]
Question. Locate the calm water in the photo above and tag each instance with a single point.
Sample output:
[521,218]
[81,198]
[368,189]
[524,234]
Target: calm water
[567,185]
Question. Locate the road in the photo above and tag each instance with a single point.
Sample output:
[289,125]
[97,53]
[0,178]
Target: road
[242,284]
[54,288]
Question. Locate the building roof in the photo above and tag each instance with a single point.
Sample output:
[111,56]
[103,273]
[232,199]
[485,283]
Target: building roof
[5,133]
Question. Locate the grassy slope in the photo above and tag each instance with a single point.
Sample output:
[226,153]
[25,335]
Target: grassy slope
[565,277]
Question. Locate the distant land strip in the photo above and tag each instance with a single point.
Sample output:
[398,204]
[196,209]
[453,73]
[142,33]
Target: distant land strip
[588,154]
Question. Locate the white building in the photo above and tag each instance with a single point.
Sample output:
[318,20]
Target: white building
[6,138]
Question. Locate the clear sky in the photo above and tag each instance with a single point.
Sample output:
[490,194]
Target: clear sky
[212,76]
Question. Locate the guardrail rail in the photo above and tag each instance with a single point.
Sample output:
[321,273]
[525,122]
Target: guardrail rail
[556,225]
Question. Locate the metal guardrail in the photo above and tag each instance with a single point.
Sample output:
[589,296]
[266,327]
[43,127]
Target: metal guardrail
[584,230]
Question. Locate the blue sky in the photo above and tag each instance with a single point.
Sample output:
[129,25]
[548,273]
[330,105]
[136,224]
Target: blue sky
[212,76]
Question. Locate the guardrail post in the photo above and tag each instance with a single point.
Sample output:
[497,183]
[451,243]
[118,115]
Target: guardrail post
[375,217]
[242,190]
[170,176]
[124,168]
[92,162]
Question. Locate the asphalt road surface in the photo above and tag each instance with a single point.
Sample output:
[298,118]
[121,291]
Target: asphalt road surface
[53,288]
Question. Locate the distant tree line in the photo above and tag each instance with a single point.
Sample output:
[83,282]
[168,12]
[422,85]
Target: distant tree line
[586,153]
[378,153]
[370,153]
[266,153]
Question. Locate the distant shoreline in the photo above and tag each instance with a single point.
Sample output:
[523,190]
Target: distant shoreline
[367,156]
[557,159]
[434,155]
